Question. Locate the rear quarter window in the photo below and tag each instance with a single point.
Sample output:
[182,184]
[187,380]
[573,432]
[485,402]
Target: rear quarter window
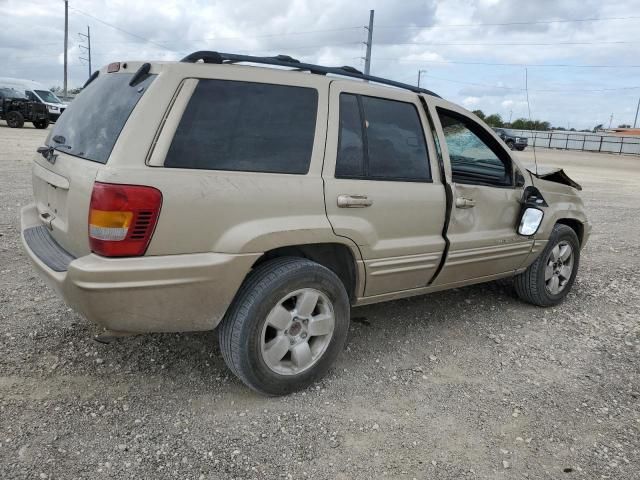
[246,126]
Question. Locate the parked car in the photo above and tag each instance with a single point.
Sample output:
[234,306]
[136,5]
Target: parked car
[266,202]
[511,138]
[16,108]
[36,93]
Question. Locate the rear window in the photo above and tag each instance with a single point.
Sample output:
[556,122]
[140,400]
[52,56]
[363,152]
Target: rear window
[91,124]
[246,126]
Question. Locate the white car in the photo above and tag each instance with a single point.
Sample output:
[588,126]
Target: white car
[37,92]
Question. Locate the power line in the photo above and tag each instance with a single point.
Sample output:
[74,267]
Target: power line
[121,29]
[271,35]
[462,44]
[158,44]
[535,22]
[558,65]
[536,90]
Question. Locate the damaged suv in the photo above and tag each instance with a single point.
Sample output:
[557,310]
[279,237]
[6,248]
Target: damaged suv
[218,192]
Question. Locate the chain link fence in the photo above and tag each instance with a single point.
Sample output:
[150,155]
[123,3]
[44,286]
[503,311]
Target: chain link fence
[588,142]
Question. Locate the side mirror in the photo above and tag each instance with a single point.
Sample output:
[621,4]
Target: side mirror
[530,220]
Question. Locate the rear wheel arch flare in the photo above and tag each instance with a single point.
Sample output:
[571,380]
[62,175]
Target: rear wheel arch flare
[337,257]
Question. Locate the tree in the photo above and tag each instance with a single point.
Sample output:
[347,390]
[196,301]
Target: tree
[520,124]
[72,91]
[494,120]
[597,127]
[479,114]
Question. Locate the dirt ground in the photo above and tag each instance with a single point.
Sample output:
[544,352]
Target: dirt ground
[469,383]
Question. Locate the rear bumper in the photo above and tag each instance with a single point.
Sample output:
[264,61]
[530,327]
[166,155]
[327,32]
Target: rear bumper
[171,293]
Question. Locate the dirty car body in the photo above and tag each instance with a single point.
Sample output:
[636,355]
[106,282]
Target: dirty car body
[200,183]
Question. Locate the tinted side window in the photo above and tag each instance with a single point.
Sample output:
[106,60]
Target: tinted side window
[387,144]
[472,159]
[350,160]
[254,127]
[395,140]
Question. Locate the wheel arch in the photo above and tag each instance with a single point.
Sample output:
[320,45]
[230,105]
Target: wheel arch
[576,225]
[337,257]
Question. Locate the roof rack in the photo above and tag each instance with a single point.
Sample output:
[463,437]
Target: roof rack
[286,61]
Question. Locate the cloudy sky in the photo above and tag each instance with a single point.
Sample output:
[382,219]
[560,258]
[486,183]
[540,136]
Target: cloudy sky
[580,70]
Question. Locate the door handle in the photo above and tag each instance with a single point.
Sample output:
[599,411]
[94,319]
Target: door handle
[354,201]
[462,202]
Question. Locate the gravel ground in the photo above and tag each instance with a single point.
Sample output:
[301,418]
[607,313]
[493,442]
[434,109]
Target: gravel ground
[469,383]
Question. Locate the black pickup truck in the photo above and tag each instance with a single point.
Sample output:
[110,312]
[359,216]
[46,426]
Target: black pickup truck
[16,108]
[513,141]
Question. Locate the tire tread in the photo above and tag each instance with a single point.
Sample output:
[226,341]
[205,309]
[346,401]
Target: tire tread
[527,285]
[260,279]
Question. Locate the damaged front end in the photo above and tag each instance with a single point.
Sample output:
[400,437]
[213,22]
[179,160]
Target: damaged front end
[556,175]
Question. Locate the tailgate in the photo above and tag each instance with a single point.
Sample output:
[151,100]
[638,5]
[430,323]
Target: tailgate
[62,192]
[80,144]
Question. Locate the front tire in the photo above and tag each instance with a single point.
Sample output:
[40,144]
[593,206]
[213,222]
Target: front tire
[511,144]
[550,277]
[286,326]
[15,119]
[41,124]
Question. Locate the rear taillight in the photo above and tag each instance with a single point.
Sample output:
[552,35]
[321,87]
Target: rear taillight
[122,218]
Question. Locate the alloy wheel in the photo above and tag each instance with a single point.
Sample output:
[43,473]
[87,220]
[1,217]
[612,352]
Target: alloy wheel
[559,267]
[297,331]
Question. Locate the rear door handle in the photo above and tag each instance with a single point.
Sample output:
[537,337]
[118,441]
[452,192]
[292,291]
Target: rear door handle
[462,202]
[354,201]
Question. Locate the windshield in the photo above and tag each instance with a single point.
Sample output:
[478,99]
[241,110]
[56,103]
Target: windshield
[11,93]
[91,125]
[47,96]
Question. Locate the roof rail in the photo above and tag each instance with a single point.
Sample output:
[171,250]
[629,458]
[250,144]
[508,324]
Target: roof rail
[286,61]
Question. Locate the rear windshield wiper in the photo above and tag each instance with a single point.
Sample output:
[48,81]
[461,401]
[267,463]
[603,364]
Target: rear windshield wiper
[61,143]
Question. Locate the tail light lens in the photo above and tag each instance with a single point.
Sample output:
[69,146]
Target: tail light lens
[122,219]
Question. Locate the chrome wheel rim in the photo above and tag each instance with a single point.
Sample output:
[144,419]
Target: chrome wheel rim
[297,331]
[559,268]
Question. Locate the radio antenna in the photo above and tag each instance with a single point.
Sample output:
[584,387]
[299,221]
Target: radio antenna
[526,87]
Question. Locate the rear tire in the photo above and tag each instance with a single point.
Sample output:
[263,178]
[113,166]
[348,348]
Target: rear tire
[286,326]
[41,124]
[550,277]
[15,119]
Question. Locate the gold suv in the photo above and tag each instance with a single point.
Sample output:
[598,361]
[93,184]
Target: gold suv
[221,192]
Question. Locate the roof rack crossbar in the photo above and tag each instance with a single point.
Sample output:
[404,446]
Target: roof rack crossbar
[286,61]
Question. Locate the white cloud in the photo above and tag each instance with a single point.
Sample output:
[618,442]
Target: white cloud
[408,36]
[471,102]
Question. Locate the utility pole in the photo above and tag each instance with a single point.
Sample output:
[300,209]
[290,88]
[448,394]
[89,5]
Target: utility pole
[637,110]
[510,115]
[87,48]
[367,58]
[419,73]
[610,120]
[66,42]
